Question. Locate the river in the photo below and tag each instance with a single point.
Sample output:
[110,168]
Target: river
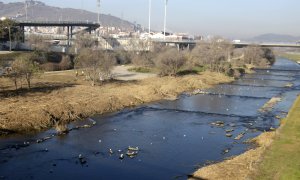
[174,137]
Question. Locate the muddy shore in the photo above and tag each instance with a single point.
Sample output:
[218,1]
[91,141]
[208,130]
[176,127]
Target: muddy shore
[35,111]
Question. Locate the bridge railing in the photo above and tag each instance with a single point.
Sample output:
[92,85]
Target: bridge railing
[59,22]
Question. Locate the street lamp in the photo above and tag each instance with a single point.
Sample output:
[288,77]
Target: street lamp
[165,19]
[26,9]
[98,4]
[149,16]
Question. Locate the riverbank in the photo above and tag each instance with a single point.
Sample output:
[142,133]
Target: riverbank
[66,98]
[282,159]
[276,157]
[291,56]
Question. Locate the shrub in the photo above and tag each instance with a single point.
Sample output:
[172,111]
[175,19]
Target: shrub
[50,67]
[170,62]
[65,63]
[144,59]
[97,64]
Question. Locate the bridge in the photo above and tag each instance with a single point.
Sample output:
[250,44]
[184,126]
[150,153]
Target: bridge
[178,43]
[90,26]
[241,45]
[189,43]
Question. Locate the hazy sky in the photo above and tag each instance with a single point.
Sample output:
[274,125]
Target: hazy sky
[230,18]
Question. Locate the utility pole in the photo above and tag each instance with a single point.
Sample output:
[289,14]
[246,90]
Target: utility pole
[165,19]
[26,11]
[98,4]
[150,16]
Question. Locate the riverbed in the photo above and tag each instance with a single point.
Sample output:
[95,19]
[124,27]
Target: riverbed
[174,138]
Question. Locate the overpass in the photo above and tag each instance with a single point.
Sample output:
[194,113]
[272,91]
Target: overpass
[241,45]
[185,43]
[188,43]
[90,26]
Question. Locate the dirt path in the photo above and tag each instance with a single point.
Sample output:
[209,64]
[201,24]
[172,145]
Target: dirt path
[122,73]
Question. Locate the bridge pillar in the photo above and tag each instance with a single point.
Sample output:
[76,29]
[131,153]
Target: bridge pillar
[71,32]
[68,35]
[22,28]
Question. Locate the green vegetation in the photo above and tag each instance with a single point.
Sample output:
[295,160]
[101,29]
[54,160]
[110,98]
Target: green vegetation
[294,57]
[193,70]
[141,69]
[10,56]
[282,160]
[9,31]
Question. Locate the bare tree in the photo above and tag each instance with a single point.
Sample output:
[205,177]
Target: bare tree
[24,66]
[84,40]
[65,63]
[258,56]
[97,64]
[143,59]
[252,54]
[107,61]
[212,54]
[37,42]
[14,76]
[170,61]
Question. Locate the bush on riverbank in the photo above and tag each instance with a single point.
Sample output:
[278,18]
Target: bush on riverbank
[216,55]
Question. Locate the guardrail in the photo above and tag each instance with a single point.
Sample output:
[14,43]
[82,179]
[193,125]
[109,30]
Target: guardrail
[59,22]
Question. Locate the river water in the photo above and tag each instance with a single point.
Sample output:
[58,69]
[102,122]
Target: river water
[174,137]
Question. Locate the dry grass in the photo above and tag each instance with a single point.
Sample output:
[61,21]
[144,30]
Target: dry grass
[239,167]
[63,96]
[294,57]
[282,159]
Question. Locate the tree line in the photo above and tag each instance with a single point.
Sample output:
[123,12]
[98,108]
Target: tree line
[215,55]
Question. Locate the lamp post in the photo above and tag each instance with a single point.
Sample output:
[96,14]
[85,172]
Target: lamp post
[165,19]
[150,16]
[26,10]
[98,4]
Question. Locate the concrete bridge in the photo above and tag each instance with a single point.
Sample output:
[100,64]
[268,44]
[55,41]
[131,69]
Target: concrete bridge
[90,26]
[270,45]
[192,43]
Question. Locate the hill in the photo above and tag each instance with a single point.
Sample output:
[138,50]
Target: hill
[39,11]
[275,38]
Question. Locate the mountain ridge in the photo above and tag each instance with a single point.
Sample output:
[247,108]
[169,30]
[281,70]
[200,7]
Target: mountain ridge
[39,11]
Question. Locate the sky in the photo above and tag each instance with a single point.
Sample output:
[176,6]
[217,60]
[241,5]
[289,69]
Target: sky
[228,18]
